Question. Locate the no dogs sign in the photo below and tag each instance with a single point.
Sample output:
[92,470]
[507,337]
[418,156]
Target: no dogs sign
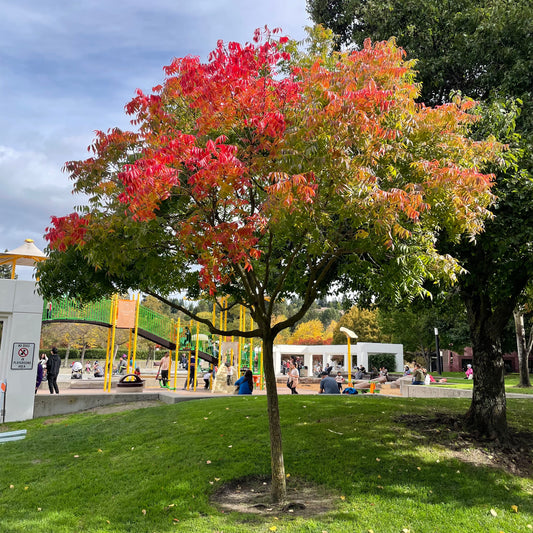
[22,358]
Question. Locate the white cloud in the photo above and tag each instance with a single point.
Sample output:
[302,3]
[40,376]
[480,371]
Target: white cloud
[68,68]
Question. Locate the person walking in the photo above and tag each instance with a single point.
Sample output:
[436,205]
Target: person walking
[52,370]
[293,377]
[190,381]
[164,366]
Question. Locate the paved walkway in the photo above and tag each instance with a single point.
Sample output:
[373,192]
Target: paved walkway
[71,400]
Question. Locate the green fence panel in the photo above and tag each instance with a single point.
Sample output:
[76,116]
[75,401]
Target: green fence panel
[68,309]
[157,324]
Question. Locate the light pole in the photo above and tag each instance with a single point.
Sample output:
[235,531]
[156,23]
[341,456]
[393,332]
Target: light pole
[437,352]
[349,335]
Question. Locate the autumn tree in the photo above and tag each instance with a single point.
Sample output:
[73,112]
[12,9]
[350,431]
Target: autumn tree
[270,173]
[363,322]
[310,333]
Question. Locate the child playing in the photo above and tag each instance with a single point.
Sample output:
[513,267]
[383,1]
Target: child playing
[207,379]
[340,380]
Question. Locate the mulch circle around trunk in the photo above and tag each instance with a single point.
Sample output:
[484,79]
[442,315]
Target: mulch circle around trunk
[515,457]
[252,495]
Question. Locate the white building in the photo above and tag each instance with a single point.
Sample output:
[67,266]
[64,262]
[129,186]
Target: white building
[337,355]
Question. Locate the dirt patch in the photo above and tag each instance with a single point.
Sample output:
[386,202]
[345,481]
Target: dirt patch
[252,495]
[448,431]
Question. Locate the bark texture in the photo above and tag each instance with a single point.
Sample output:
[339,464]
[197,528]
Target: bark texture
[487,415]
[279,487]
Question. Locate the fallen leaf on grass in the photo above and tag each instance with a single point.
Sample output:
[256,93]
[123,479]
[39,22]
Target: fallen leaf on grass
[76,456]
[378,459]
[514,508]
[336,432]
[26,488]
[39,509]
[273,528]
[143,511]
[100,451]
[217,479]
[11,486]
[493,512]
[343,498]
[208,462]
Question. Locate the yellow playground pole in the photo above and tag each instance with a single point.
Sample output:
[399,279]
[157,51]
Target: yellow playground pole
[196,355]
[251,342]
[188,378]
[239,357]
[129,351]
[196,359]
[177,353]
[107,352]
[137,308]
[115,316]
[108,346]
[226,317]
[260,364]
[220,361]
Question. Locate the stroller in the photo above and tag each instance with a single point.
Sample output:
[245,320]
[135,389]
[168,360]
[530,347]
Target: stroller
[76,371]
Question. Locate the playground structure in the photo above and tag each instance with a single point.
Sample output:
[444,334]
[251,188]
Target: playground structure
[142,322]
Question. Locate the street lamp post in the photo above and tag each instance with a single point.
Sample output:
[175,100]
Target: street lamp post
[437,352]
[349,335]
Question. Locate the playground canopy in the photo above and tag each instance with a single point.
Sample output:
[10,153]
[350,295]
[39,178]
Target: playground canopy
[26,255]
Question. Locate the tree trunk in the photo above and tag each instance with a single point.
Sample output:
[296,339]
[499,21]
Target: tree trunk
[279,488]
[487,415]
[66,355]
[521,347]
[83,349]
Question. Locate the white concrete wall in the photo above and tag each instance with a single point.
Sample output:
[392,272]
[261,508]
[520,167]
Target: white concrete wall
[327,353]
[20,311]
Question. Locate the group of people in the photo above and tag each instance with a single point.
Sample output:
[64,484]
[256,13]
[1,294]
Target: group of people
[48,368]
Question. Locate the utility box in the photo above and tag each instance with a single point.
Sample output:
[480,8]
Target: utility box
[20,332]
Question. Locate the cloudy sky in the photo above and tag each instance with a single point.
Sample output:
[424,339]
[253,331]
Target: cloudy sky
[68,68]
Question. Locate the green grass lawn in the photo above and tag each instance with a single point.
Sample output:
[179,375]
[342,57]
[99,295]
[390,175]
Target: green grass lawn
[456,380]
[154,469]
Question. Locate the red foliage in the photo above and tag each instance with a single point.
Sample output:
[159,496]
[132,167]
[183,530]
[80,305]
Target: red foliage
[223,136]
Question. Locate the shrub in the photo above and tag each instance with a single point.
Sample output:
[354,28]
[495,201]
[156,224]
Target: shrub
[378,360]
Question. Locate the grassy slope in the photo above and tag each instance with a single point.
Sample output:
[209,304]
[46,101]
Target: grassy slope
[383,476]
